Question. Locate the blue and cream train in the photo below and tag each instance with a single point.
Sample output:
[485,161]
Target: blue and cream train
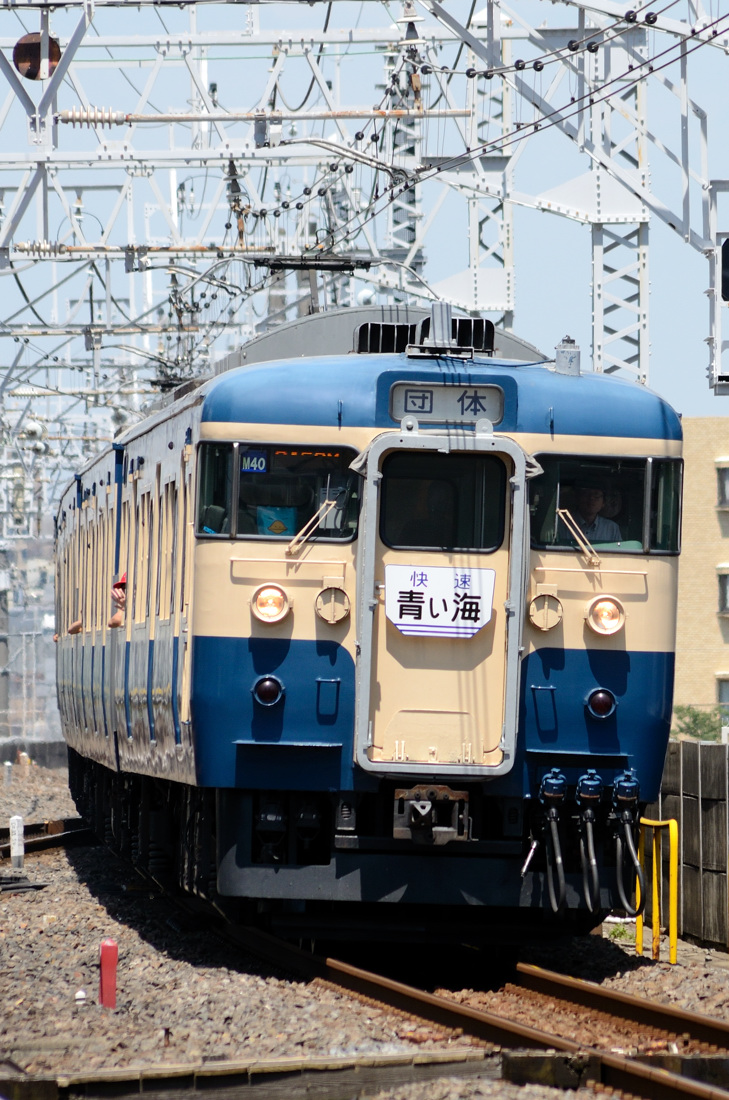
[381,665]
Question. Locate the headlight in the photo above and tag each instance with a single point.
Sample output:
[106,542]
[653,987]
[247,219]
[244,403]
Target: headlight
[605,615]
[270,603]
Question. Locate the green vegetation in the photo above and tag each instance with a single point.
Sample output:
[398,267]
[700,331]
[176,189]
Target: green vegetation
[622,932]
[702,723]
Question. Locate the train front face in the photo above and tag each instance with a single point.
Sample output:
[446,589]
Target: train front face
[415,678]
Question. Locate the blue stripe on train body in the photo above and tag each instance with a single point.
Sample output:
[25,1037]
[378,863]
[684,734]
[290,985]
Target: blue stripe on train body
[558,730]
[306,741]
[303,742]
[354,391]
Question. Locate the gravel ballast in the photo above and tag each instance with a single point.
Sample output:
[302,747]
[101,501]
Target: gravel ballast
[184,997]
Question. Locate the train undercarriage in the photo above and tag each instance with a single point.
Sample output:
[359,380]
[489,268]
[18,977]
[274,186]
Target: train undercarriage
[313,864]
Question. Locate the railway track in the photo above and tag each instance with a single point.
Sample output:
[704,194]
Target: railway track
[570,1064]
[39,836]
[502,1047]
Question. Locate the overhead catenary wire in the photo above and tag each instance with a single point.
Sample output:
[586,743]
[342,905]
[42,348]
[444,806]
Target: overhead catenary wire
[554,118]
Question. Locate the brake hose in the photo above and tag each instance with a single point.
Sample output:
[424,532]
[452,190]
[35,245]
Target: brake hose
[626,822]
[554,856]
[590,877]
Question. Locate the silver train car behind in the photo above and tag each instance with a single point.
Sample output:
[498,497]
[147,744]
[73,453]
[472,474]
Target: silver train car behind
[398,647]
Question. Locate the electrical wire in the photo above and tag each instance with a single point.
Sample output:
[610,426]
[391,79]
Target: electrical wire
[325,28]
[553,118]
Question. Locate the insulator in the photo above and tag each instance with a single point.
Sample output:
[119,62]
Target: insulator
[41,248]
[93,116]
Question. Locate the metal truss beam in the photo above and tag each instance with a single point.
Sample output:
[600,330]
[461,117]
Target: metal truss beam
[147,188]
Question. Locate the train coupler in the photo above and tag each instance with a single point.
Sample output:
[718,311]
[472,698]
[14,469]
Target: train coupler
[431,815]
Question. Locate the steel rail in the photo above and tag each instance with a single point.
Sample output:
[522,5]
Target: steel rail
[42,835]
[625,1006]
[614,1071]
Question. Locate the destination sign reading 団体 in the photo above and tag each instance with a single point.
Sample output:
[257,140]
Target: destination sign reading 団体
[438,601]
[447,403]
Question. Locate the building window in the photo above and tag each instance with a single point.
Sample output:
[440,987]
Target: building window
[722,483]
[723,578]
[722,689]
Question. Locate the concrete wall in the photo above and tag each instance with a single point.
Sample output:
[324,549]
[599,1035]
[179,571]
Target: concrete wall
[695,792]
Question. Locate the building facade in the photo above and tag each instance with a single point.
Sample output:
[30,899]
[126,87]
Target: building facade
[702,642]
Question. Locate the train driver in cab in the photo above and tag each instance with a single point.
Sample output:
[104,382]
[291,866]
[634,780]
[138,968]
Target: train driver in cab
[590,500]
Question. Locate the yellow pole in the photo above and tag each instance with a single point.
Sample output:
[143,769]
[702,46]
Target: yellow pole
[657,826]
[656,874]
[672,890]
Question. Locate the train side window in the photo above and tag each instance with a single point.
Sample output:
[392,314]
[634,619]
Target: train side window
[160,577]
[150,548]
[215,493]
[172,536]
[124,548]
[165,559]
[665,504]
[88,610]
[138,571]
[185,537]
[443,502]
[98,568]
[85,611]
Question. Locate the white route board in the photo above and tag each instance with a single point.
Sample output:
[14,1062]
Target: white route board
[438,601]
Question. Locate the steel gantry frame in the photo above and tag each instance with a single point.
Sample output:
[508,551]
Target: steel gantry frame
[157,208]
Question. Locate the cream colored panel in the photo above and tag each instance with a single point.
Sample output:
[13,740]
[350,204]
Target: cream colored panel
[438,736]
[597,445]
[646,587]
[228,573]
[439,700]
[360,437]
[284,433]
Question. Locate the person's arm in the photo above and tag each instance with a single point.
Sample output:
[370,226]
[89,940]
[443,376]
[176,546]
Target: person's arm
[119,598]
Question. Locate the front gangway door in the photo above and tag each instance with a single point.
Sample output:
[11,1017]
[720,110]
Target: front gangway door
[441,582]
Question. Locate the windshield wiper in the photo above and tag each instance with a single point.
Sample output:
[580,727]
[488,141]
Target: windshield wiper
[307,530]
[580,537]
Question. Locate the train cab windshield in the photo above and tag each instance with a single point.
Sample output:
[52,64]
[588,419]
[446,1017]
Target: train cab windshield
[443,502]
[625,505]
[277,490]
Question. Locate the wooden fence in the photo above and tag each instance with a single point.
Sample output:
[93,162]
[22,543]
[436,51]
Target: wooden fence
[695,791]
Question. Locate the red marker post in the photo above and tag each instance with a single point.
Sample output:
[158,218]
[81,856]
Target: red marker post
[108,959]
